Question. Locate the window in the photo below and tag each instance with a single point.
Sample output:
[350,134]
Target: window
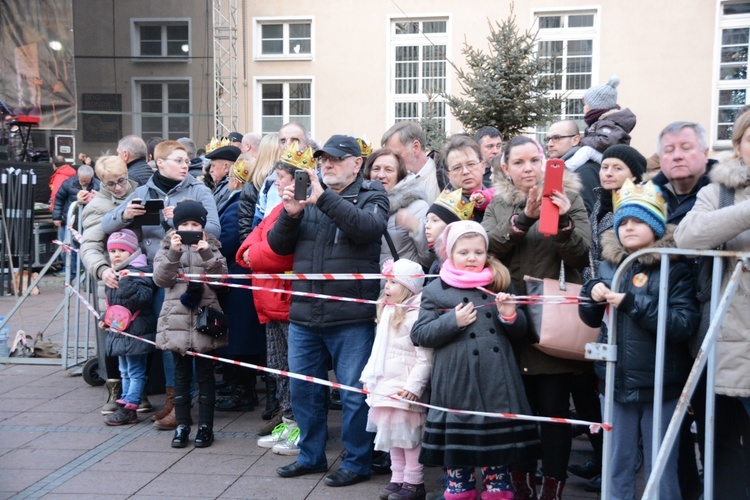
[568,41]
[282,102]
[161,39]
[419,70]
[283,39]
[156,102]
[733,83]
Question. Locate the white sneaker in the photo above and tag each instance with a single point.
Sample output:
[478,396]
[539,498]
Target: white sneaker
[288,447]
[279,434]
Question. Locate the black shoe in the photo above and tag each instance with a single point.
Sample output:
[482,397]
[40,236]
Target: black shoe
[181,435]
[381,462]
[240,400]
[335,402]
[594,486]
[295,469]
[205,437]
[587,470]
[343,477]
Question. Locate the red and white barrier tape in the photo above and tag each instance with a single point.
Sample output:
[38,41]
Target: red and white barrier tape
[297,277]
[66,248]
[78,236]
[593,426]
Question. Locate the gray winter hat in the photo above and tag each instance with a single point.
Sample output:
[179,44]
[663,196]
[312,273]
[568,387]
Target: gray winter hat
[603,96]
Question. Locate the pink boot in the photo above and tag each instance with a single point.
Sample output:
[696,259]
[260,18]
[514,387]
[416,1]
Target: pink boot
[466,495]
[497,495]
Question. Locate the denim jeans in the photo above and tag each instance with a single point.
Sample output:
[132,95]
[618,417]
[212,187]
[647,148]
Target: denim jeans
[632,420]
[133,375]
[167,358]
[349,347]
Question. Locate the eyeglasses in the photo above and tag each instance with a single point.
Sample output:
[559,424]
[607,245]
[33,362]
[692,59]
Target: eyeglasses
[469,165]
[334,159]
[119,182]
[186,161]
[556,138]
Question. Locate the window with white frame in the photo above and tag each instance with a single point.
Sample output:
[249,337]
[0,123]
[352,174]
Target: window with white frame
[419,70]
[162,109]
[733,85]
[568,41]
[283,39]
[282,102]
[160,39]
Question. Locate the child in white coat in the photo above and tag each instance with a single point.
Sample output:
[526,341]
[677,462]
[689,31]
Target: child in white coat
[397,367]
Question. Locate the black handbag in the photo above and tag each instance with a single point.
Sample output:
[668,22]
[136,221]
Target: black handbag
[212,322]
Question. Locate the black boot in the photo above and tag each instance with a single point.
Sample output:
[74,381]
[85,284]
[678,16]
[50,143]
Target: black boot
[205,436]
[272,402]
[181,435]
[241,399]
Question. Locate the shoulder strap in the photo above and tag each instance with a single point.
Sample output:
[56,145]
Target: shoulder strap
[391,245]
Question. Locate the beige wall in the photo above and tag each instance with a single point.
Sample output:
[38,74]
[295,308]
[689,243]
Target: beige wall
[661,50]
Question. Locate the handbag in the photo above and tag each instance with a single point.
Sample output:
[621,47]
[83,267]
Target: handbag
[212,322]
[119,317]
[557,329]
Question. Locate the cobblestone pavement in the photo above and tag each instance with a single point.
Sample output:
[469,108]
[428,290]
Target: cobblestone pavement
[54,444]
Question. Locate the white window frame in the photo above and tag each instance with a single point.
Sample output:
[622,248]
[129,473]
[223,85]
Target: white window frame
[571,34]
[135,38]
[725,22]
[393,40]
[258,82]
[258,23]
[136,102]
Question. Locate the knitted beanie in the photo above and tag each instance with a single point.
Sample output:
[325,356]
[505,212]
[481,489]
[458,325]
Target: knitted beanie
[124,239]
[189,210]
[457,229]
[602,96]
[405,267]
[635,161]
[643,202]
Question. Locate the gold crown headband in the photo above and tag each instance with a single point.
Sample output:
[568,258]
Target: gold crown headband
[453,201]
[365,148]
[647,195]
[216,144]
[296,158]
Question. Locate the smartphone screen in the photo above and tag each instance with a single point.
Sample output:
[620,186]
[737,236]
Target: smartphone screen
[190,237]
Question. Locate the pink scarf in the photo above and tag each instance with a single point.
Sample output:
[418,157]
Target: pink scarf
[464,279]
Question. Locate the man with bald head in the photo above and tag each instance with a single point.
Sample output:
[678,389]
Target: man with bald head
[563,139]
[250,143]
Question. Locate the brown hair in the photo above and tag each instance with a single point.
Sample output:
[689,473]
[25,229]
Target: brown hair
[459,142]
[401,171]
[741,124]
[166,148]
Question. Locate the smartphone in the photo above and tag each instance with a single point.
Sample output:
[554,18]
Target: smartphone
[153,205]
[190,237]
[301,183]
[553,181]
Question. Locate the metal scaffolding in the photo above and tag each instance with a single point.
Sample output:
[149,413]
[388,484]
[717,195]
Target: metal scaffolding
[225,67]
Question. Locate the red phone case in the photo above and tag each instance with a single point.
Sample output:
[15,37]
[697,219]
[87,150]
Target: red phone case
[553,180]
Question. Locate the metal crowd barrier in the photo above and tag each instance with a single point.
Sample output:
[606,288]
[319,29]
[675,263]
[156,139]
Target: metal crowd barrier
[719,305]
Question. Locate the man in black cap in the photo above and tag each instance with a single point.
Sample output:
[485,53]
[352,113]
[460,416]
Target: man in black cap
[337,229]
[222,160]
[235,138]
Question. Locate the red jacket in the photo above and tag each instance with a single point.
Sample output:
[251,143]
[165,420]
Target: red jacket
[256,254]
[56,179]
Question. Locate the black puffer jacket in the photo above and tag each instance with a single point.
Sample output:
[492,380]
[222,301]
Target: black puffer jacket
[136,294]
[139,171]
[341,233]
[637,321]
[246,209]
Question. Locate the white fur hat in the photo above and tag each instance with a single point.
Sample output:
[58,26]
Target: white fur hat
[407,267]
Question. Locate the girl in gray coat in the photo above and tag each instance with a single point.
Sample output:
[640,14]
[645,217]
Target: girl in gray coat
[176,328]
[473,368]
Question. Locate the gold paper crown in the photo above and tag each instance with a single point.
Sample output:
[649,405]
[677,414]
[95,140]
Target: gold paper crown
[296,158]
[453,201]
[646,195]
[240,170]
[216,144]
[364,147]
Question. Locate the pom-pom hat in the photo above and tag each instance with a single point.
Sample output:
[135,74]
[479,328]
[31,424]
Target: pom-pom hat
[124,239]
[643,202]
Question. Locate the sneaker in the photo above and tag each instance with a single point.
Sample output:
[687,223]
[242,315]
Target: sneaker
[288,447]
[411,492]
[391,488]
[123,416]
[279,434]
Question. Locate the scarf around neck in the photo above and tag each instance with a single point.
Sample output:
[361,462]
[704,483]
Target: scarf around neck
[464,279]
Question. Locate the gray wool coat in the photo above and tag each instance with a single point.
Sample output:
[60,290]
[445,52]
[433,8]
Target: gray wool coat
[473,369]
[176,327]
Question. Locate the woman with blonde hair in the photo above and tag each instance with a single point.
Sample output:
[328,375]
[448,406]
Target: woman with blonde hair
[258,188]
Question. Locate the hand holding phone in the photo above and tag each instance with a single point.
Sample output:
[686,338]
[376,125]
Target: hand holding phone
[190,237]
[553,180]
[301,183]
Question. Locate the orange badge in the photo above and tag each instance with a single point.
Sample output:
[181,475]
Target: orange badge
[640,280]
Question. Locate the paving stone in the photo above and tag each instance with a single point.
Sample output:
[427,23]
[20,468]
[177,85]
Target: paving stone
[68,441]
[188,485]
[17,479]
[137,461]
[271,488]
[33,458]
[119,482]
[196,463]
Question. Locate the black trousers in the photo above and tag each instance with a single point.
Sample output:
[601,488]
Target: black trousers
[183,376]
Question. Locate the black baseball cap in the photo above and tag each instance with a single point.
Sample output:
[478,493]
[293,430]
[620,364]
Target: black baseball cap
[340,146]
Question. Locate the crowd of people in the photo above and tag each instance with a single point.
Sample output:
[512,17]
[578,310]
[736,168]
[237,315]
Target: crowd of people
[469,215]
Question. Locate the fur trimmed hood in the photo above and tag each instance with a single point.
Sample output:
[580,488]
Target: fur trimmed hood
[506,191]
[733,173]
[406,192]
[614,252]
